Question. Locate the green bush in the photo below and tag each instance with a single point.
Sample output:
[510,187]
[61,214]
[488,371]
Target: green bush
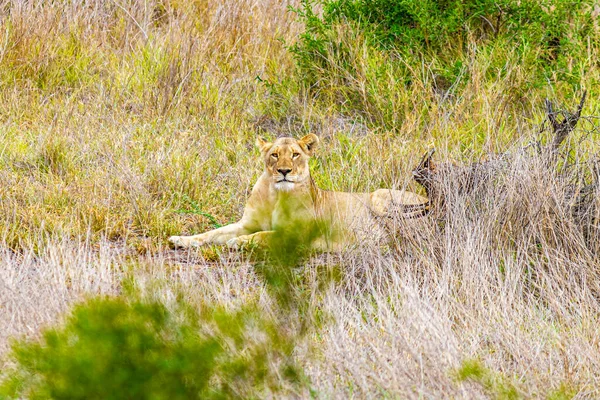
[443,24]
[359,52]
[127,347]
[112,348]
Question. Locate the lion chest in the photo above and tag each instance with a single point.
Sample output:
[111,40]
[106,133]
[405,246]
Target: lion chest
[292,212]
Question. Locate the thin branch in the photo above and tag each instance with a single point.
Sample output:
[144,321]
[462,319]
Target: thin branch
[565,127]
[422,173]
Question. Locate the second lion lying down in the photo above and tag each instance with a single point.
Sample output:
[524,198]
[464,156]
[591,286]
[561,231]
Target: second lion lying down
[285,195]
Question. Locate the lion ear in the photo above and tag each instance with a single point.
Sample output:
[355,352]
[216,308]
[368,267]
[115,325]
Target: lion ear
[309,143]
[262,144]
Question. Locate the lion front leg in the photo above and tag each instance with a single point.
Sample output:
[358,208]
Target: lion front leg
[259,238]
[216,236]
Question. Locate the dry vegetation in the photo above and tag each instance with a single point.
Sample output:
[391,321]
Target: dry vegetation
[125,122]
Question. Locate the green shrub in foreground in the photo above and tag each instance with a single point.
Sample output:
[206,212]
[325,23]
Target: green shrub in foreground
[129,349]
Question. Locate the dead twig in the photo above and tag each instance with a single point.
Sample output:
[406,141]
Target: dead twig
[424,171]
[563,128]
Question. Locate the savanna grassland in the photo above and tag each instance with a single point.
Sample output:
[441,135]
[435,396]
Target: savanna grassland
[125,122]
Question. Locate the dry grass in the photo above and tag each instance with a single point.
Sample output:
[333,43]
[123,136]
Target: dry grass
[124,122]
[509,280]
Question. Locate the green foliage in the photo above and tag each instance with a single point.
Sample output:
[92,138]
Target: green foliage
[278,259]
[495,384]
[442,24]
[127,347]
[120,349]
[361,53]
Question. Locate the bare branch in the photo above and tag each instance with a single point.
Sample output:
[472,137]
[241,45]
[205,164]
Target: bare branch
[565,127]
[422,173]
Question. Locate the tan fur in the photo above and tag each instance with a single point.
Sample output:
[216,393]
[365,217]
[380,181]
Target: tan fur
[285,194]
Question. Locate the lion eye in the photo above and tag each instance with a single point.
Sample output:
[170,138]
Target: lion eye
[275,156]
[295,155]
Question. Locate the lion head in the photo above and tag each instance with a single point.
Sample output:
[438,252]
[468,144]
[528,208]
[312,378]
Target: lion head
[286,160]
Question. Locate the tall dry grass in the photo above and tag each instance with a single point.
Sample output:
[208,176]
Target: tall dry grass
[125,122]
[510,279]
[112,111]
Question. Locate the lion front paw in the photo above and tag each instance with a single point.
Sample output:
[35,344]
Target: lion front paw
[183,241]
[234,243]
[177,241]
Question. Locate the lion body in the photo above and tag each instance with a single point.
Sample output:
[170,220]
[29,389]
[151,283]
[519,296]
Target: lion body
[286,197]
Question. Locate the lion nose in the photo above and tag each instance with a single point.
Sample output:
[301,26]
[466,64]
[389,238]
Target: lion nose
[284,171]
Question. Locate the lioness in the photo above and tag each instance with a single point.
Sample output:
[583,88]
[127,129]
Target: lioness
[286,194]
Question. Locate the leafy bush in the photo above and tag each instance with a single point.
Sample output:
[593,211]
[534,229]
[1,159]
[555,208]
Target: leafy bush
[125,347]
[359,53]
[443,24]
[120,349]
